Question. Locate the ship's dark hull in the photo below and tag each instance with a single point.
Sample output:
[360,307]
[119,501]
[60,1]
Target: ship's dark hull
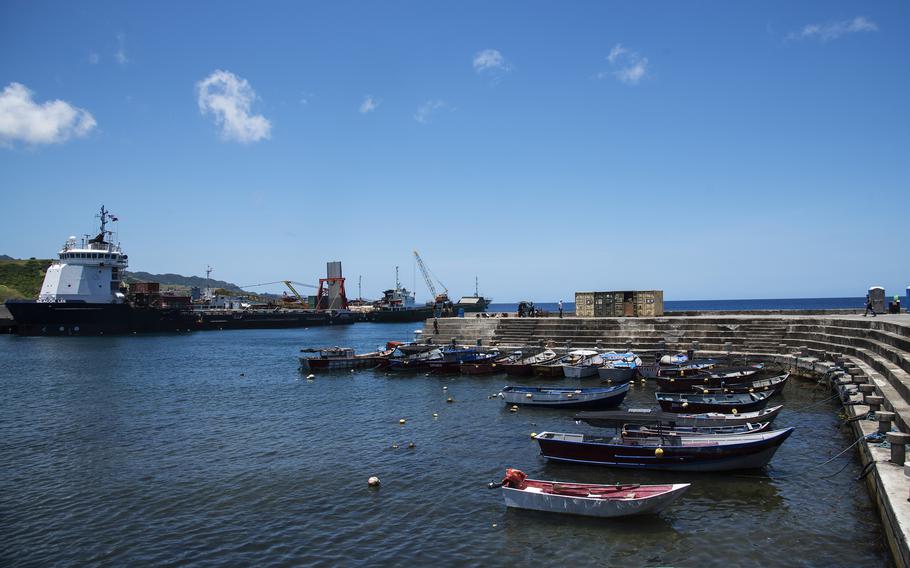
[81,318]
[265,319]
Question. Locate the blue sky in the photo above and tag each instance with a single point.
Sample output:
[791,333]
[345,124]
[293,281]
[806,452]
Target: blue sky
[709,149]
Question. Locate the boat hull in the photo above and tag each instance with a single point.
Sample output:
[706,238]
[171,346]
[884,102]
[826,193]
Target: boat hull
[579,371]
[693,404]
[589,507]
[269,319]
[616,374]
[555,397]
[612,419]
[398,316]
[85,319]
[702,458]
[552,371]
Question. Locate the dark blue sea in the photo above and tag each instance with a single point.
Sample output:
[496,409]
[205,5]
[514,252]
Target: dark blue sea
[211,449]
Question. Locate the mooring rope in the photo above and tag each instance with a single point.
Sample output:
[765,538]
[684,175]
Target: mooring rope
[811,467]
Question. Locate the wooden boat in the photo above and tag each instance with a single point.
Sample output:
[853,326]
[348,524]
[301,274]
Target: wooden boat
[694,453]
[712,378]
[614,418]
[414,363]
[699,402]
[452,358]
[581,363]
[485,364]
[586,499]
[651,430]
[675,365]
[618,367]
[334,358]
[565,397]
[551,368]
[522,367]
[772,384]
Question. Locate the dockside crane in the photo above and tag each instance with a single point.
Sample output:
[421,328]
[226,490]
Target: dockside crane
[289,284]
[438,298]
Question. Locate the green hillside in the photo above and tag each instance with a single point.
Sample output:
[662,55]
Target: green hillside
[21,278]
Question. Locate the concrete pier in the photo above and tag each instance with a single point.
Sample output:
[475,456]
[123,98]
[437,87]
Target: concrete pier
[864,359]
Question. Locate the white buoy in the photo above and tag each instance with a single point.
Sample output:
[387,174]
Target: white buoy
[373,481]
[311,376]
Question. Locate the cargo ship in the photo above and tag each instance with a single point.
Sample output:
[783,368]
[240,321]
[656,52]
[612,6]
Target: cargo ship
[83,294]
[475,303]
[396,306]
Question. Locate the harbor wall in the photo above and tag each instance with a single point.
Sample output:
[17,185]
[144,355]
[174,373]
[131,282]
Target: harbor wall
[859,358]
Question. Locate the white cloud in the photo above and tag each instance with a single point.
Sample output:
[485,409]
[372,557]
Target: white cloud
[228,98]
[93,57]
[52,122]
[425,112]
[490,61]
[120,54]
[834,30]
[628,66]
[369,104]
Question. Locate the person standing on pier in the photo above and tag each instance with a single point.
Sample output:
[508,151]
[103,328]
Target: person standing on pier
[560,307]
[435,326]
[869,307]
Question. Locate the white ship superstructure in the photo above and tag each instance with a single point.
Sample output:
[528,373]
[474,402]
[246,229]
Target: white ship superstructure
[87,272]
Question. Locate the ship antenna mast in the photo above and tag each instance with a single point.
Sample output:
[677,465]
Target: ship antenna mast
[476,288]
[397,282]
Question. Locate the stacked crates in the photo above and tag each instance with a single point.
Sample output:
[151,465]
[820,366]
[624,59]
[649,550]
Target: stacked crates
[635,303]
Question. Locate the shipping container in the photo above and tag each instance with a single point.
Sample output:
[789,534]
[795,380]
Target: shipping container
[626,303]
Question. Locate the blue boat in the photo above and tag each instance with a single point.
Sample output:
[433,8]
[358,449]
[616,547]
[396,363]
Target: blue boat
[565,397]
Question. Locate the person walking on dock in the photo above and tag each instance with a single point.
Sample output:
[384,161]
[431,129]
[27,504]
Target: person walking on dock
[869,307]
[560,307]
[435,326]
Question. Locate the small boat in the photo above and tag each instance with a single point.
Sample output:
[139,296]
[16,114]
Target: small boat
[551,368]
[713,378]
[581,363]
[618,367]
[414,363]
[522,367]
[565,397]
[590,500]
[614,418]
[698,402]
[485,364]
[452,358]
[772,384]
[333,358]
[675,453]
[677,365]
[651,430]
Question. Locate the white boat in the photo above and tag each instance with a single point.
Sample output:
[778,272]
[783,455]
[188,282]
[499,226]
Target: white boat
[590,500]
[581,363]
[618,367]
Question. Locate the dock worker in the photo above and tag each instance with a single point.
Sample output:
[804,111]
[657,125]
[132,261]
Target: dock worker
[869,307]
[436,326]
[560,307]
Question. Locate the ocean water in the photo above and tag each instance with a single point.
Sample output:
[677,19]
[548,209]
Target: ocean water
[212,449]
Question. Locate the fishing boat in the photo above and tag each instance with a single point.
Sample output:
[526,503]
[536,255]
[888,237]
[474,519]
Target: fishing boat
[452,358]
[618,367]
[414,363]
[583,363]
[772,384]
[713,378]
[565,397]
[650,430]
[554,368]
[590,500]
[614,418]
[699,402]
[679,453]
[523,366]
[334,358]
[485,364]
[677,365]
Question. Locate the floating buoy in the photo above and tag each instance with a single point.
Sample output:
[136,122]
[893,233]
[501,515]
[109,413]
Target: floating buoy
[659,452]
[513,409]
[242,375]
[494,524]
[435,415]
[685,404]
[411,445]
[402,421]
[352,370]
[311,376]
[445,388]
[642,380]
[609,381]
[533,435]
[705,391]
[394,446]
[529,395]
[450,399]
[706,379]
[373,481]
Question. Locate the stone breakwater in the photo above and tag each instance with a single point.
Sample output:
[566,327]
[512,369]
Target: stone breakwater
[863,360]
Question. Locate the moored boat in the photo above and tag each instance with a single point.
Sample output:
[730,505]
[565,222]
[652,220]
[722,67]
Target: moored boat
[702,453]
[614,418]
[772,384]
[523,366]
[699,402]
[414,363]
[581,363]
[650,430]
[619,367]
[565,397]
[485,364]
[333,358]
[586,499]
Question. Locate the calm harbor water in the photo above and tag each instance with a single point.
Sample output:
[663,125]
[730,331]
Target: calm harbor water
[212,449]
